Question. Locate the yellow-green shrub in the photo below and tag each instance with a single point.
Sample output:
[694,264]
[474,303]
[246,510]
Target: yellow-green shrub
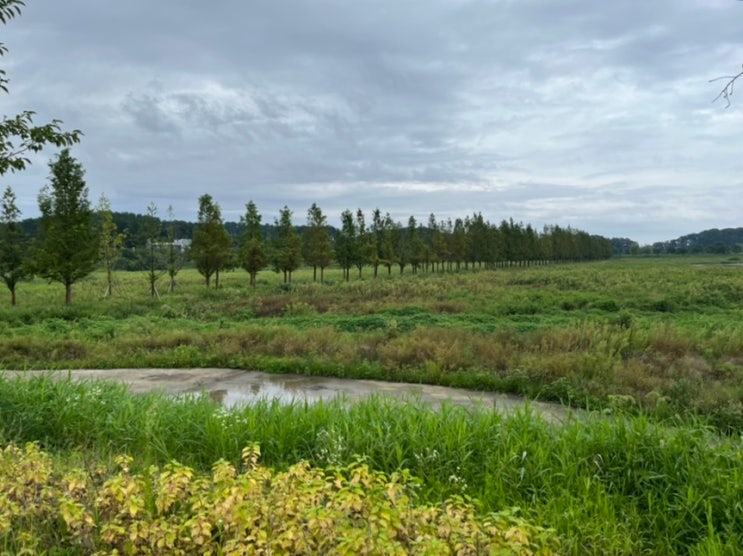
[304,510]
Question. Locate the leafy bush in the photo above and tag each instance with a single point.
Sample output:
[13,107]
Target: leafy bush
[302,510]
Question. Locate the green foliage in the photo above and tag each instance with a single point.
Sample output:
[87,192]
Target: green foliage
[347,244]
[318,247]
[18,134]
[286,248]
[253,257]
[67,250]
[253,509]
[211,249]
[551,332]
[619,485]
[14,264]
[111,242]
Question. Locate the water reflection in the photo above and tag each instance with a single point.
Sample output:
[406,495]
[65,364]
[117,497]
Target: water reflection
[273,388]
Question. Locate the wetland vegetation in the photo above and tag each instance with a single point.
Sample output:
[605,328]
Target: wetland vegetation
[653,346]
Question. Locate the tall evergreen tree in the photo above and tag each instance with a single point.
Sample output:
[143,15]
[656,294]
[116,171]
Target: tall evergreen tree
[286,254]
[366,249]
[446,243]
[377,233]
[211,249]
[401,246]
[68,244]
[458,247]
[13,245]
[478,240]
[346,244]
[318,247]
[387,251]
[416,246]
[253,256]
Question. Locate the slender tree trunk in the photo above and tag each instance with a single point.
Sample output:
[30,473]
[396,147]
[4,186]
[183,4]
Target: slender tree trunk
[110,281]
[68,293]
[216,280]
[12,296]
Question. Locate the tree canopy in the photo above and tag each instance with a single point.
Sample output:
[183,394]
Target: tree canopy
[211,249]
[286,253]
[253,256]
[13,245]
[68,246]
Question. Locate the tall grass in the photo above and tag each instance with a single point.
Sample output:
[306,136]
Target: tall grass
[664,332]
[620,485]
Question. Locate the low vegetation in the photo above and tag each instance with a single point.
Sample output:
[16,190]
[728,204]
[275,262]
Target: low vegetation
[624,485]
[300,511]
[662,334]
[652,346]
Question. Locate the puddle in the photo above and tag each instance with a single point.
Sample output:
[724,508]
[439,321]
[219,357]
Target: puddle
[252,386]
[231,396]
[235,387]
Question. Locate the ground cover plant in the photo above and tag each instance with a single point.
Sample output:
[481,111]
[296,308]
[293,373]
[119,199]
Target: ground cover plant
[659,334]
[620,485]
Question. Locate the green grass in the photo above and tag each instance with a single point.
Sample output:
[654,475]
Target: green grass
[664,332]
[654,345]
[621,485]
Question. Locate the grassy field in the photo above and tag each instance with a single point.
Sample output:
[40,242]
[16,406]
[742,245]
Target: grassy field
[664,335]
[655,346]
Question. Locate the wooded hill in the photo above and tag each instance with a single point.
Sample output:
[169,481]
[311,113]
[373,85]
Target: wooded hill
[727,240]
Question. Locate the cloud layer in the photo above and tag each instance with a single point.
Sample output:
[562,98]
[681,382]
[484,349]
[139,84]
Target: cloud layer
[574,112]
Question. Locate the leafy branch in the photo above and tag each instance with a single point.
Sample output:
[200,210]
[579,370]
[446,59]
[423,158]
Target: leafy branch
[18,134]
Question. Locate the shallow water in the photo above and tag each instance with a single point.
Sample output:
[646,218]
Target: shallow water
[235,387]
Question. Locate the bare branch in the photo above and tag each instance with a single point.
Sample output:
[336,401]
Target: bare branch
[727,90]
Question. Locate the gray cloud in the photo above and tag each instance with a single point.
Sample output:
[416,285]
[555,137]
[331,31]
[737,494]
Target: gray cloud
[590,114]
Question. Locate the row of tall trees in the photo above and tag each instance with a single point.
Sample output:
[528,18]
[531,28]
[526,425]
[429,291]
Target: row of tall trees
[72,239]
[69,244]
[383,243]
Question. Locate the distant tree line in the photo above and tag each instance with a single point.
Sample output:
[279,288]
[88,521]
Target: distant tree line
[71,239]
[624,246]
[725,241]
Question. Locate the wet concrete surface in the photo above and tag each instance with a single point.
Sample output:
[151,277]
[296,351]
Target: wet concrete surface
[233,387]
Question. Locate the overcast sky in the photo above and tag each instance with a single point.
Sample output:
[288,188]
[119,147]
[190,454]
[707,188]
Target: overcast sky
[593,114]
